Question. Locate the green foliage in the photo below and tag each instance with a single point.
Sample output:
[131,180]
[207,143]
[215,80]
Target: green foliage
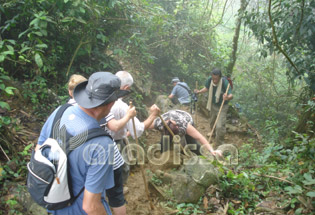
[294,23]
[156,180]
[16,169]
[277,170]
[188,208]
[268,101]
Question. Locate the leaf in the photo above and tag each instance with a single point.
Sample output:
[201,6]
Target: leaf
[24,49]
[67,19]
[309,180]
[294,190]
[5,77]
[42,46]
[311,194]
[82,10]
[9,90]
[2,58]
[10,48]
[38,60]
[4,105]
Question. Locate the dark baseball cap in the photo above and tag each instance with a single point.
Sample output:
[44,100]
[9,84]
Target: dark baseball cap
[101,88]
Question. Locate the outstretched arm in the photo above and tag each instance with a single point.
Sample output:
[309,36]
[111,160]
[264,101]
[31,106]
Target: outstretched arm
[203,90]
[193,132]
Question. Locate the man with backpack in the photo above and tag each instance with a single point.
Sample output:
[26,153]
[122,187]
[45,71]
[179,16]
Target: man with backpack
[89,164]
[216,85]
[180,93]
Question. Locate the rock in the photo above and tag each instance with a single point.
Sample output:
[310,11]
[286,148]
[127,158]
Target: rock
[202,171]
[189,183]
[164,103]
[185,189]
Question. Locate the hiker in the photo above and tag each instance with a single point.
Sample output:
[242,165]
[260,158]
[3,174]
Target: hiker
[74,80]
[90,164]
[115,194]
[182,124]
[180,93]
[118,129]
[216,85]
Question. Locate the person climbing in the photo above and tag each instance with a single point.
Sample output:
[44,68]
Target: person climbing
[216,85]
[180,93]
[181,123]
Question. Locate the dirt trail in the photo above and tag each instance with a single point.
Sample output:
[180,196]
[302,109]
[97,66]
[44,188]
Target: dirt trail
[136,197]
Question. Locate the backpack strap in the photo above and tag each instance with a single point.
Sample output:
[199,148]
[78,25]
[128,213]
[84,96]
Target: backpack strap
[74,142]
[58,116]
[186,88]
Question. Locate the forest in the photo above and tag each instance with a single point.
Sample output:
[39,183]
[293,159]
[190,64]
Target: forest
[267,48]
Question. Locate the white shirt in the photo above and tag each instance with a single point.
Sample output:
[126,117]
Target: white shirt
[118,111]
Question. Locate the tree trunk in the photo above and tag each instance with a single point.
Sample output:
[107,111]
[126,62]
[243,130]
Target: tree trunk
[231,64]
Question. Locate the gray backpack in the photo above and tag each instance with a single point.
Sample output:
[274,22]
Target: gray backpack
[48,179]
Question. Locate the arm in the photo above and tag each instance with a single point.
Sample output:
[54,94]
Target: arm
[203,90]
[171,96]
[227,97]
[193,132]
[92,203]
[154,112]
[116,125]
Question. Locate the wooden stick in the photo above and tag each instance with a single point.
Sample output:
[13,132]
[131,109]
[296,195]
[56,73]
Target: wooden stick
[215,123]
[196,105]
[166,126]
[172,133]
[4,153]
[129,154]
[141,167]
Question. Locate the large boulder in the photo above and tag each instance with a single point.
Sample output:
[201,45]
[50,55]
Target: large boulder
[187,184]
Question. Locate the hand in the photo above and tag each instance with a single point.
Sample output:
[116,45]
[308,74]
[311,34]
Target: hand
[128,134]
[196,91]
[155,110]
[225,97]
[131,112]
[216,152]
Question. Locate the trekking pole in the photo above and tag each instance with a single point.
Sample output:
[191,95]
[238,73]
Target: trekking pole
[141,167]
[215,123]
[196,105]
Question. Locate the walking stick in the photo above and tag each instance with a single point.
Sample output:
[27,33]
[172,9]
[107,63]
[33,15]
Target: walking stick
[196,105]
[141,167]
[215,123]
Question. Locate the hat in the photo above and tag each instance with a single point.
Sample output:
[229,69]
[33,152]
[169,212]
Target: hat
[101,88]
[175,79]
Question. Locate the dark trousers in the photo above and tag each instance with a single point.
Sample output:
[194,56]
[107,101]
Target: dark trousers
[189,140]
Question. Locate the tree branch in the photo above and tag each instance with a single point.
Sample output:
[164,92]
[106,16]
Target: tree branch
[74,54]
[275,39]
